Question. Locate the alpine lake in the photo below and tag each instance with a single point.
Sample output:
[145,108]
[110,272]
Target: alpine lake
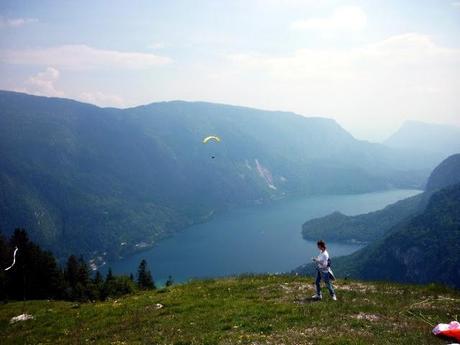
[258,239]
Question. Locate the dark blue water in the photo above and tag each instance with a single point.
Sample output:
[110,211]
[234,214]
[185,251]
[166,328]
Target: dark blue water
[258,239]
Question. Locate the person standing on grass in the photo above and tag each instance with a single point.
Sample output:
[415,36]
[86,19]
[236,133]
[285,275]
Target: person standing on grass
[323,272]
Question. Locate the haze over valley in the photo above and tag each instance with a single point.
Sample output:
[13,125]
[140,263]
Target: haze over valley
[104,180]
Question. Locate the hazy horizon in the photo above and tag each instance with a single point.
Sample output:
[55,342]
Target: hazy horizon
[368,65]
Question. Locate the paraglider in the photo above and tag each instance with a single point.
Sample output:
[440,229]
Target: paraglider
[451,330]
[211,138]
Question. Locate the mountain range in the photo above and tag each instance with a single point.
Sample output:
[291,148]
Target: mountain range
[431,138]
[108,182]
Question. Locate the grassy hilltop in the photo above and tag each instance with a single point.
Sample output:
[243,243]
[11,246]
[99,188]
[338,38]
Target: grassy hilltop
[243,310]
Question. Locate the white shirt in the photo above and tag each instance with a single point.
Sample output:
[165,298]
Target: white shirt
[321,261]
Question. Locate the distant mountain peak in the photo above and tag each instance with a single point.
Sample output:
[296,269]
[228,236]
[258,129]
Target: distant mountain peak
[428,137]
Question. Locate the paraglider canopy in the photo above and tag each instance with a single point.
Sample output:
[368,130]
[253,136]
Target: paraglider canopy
[211,137]
[451,330]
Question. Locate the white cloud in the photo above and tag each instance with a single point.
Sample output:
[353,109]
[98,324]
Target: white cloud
[287,3]
[43,83]
[369,88]
[102,99]
[156,45]
[79,57]
[350,18]
[406,54]
[16,22]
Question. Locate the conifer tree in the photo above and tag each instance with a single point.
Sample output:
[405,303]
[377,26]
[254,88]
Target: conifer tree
[25,279]
[107,288]
[98,279]
[83,272]
[72,271]
[96,286]
[109,275]
[4,249]
[144,277]
[82,289]
[170,281]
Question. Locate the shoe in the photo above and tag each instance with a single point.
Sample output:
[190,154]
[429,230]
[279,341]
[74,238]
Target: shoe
[334,297]
[316,296]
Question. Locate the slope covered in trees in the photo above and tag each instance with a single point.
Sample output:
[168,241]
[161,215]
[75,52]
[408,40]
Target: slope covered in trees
[372,226]
[34,274]
[105,182]
[368,227]
[420,247]
[423,249]
[445,174]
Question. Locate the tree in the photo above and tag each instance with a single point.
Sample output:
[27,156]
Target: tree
[77,279]
[81,290]
[115,286]
[119,286]
[83,272]
[4,252]
[107,286]
[170,281]
[96,287]
[71,277]
[26,278]
[109,275]
[98,279]
[35,275]
[53,286]
[144,277]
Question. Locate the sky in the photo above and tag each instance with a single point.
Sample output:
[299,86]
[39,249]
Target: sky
[370,65]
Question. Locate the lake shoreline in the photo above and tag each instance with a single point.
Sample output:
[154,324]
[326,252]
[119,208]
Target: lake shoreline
[250,221]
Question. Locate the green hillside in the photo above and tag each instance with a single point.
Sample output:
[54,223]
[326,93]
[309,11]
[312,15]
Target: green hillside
[245,310]
[106,182]
[361,228]
[445,174]
[373,226]
[423,249]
